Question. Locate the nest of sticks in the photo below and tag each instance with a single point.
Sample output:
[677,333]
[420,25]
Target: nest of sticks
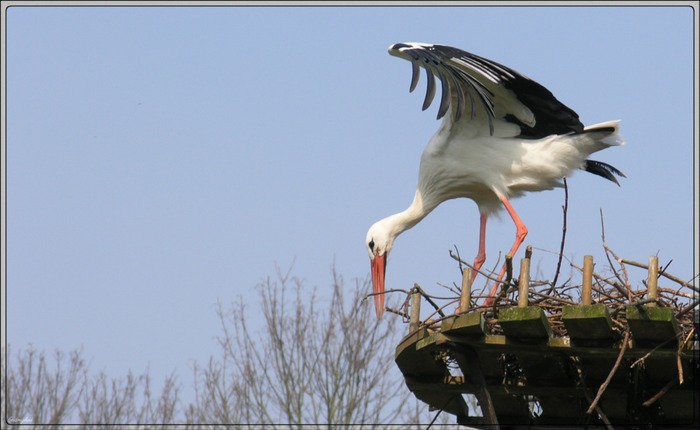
[612,288]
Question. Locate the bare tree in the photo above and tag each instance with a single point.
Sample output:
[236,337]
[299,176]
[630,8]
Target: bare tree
[127,401]
[299,358]
[309,363]
[36,393]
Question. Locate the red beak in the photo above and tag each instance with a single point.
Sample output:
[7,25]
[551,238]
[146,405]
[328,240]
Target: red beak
[378,271]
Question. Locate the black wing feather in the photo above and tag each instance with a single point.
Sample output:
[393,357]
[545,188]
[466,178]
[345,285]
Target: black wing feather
[603,169]
[430,91]
[551,115]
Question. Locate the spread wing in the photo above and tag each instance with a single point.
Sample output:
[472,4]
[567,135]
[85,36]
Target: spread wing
[478,89]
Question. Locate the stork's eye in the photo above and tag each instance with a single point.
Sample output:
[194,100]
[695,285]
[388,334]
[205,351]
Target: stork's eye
[371,245]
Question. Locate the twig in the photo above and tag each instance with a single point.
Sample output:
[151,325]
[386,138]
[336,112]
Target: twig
[619,324]
[661,392]
[459,258]
[618,287]
[428,299]
[687,339]
[565,208]
[641,359]
[609,251]
[438,413]
[509,269]
[597,408]
[681,347]
[645,301]
[395,290]
[611,374]
[440,309]
[687,309]
[488,276]
[661,273]
[554,299]
[506,282]
[397,312]
[451,288]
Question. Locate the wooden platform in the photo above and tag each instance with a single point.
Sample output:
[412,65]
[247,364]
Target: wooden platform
[527,376]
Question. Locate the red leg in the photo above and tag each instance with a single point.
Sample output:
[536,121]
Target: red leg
[520,233]
[481,254]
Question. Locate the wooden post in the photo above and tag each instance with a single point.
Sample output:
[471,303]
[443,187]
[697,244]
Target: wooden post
[470,360]
[524,282]
[465,297]
[414,322]
[652,291]
[587,280]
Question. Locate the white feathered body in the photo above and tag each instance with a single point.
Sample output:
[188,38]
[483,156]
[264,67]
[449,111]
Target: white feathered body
[462,162]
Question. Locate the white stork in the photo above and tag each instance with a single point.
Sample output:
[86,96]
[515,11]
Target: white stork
[502,135]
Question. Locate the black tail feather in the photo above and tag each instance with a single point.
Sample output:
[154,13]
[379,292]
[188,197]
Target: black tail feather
[603,169]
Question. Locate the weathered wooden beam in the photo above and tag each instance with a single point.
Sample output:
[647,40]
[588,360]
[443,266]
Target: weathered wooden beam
[415,311]
[469,359]
[587,286]
[471,324]
[466,294]
[653,325]
[588,323]
[524,282]
[526,323]
[652,279]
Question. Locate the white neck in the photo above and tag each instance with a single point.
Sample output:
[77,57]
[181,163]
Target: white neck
[402,221]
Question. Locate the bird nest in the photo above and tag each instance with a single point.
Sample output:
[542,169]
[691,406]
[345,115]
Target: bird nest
[612,288]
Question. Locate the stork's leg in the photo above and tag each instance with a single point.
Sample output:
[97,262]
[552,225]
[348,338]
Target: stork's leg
[481,254]
[520,233]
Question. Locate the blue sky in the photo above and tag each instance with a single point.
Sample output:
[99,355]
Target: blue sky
[162,159]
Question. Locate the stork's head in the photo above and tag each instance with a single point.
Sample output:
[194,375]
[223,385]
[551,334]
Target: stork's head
[379,242]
